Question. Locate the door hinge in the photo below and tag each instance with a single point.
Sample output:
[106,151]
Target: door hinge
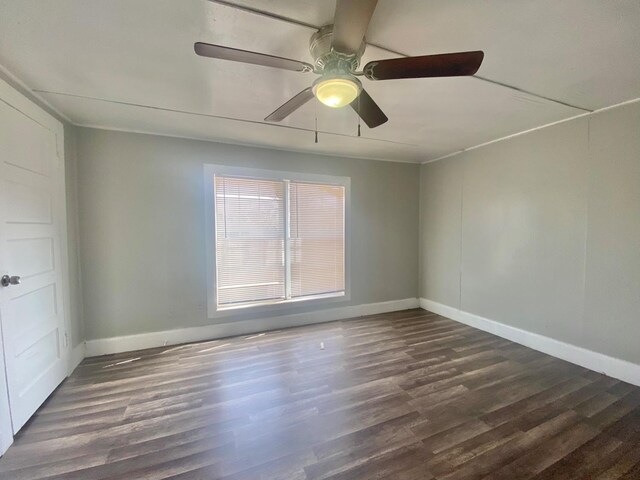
[66,340]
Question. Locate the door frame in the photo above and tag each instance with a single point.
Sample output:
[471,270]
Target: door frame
[6,427]
[14,99]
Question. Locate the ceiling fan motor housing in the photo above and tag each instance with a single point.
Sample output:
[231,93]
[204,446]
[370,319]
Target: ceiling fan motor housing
[328,60]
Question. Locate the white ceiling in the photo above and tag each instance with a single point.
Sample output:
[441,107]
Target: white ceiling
[130,65]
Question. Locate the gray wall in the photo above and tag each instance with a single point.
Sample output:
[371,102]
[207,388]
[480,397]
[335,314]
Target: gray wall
[542,232]
[142,231]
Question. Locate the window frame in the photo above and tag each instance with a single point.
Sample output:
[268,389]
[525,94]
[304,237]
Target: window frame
[210,172]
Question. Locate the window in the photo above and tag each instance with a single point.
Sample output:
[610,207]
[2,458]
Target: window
[277,237]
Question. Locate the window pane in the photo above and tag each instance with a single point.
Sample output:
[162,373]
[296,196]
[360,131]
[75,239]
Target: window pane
[317,238]
[249,240]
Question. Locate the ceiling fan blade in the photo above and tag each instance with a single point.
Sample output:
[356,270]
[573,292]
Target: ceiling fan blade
[444,65]
[291,106]
[368,110]
[350,24]
[245,56]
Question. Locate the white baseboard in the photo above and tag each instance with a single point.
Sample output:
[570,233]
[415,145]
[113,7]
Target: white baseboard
[77,355]
[599,362]
[104,346]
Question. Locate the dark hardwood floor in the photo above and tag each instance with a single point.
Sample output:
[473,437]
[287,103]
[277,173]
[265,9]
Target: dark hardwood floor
[402,396]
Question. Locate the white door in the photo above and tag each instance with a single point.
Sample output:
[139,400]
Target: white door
[31,308]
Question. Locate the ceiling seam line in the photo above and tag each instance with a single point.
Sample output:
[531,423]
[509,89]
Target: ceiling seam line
[221,117]
[300,23]
[264,13]
[518,89]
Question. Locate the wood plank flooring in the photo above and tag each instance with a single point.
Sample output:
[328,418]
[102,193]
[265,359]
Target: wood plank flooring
[403,396]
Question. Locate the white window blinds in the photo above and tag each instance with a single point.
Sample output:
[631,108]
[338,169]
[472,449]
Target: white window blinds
[317,239]
[278,240]
[250,230]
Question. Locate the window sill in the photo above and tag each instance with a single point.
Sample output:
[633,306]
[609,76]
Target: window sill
[276,305]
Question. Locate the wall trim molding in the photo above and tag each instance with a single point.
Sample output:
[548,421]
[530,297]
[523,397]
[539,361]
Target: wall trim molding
[598,362]
[540,127]
[105,346]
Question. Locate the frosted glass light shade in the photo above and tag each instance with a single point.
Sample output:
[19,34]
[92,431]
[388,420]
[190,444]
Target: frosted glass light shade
[336,92]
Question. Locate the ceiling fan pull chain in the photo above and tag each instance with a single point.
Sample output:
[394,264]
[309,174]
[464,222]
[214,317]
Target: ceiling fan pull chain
[358,115]
[316,106]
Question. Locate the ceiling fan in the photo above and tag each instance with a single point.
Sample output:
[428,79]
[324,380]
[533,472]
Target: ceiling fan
[337,50]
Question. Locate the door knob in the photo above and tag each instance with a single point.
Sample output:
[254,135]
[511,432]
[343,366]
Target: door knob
[6,280]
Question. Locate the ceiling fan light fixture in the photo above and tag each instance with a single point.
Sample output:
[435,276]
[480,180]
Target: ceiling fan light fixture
[337,91]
